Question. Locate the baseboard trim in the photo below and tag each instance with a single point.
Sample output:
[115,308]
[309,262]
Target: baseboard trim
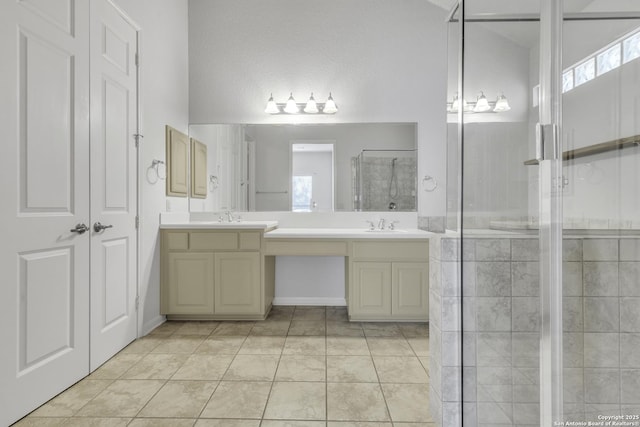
[152,324]
[340,302]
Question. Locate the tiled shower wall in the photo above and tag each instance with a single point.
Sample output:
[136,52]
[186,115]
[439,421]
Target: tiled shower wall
[500,350]
[376,180]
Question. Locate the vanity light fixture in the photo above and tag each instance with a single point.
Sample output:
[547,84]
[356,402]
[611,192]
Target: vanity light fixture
[272,107]
[502,104]
[310,107]
[481,105]
[330,106]
[454,107]
[291,107]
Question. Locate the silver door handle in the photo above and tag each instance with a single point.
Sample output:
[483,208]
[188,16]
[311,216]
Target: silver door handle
[97,227]
[80,228]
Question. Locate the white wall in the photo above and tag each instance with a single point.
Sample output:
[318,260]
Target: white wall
[495,179]
[164,100]
[384,61]
[310,281]
[496,62]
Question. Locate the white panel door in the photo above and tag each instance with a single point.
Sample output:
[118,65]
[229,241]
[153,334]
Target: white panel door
[113,181]
[44,176]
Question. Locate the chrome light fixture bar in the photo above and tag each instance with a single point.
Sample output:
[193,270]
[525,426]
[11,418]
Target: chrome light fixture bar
[480,105]
[309,107]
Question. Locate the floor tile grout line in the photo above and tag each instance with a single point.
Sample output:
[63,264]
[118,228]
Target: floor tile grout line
[273,380]
[326,372]
[245,336]
[386,404]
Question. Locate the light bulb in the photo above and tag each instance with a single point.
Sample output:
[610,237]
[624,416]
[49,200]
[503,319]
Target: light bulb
[311,107]
[272,107]
[330,106]
[455,105]
[482,105]
[502,104]
[291,106]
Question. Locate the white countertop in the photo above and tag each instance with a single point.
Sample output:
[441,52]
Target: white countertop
[249,225]
[345,233]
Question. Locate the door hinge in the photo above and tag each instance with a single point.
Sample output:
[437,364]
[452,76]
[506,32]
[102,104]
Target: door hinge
[137,302]
[137,222]
[137,137]
[137,59]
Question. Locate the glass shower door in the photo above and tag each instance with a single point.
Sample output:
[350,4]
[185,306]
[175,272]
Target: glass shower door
[544,206]
[509,217]
[601,204]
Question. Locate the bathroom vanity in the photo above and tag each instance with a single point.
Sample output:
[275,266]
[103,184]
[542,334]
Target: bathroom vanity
[386,272]
[213,270]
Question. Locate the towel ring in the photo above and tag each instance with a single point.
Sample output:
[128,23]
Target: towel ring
[213,183]
[429,183]
[155,169]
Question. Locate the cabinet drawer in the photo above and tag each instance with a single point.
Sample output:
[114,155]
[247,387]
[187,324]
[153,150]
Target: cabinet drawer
[249,241]
[176,240]
[389,251]
[308,247]
[213,241]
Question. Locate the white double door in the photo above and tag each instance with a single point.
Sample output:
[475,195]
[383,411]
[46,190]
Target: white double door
[68,84]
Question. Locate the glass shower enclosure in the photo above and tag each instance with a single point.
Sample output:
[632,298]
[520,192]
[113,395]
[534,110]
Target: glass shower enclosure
[535,298]
[384,180]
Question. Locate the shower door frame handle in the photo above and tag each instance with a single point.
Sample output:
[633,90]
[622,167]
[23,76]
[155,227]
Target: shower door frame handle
[547,142]
[550,213]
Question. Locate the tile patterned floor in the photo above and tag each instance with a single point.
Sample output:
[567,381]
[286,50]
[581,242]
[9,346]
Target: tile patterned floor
[302,367]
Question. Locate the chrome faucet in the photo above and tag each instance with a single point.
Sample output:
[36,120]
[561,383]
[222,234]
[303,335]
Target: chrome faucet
[229,215]
[381,224]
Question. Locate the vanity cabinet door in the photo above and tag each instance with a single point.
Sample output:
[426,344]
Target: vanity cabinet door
[237,283]
[190,283]
[177,152]
[371,289]
[409,289]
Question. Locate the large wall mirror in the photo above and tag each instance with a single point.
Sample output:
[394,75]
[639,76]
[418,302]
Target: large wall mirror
[308,167]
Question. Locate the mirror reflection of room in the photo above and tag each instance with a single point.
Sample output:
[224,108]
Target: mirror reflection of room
[309,167]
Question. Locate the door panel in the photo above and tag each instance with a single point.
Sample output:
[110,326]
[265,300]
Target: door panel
[113,181]
[116,298]
[177,163]
[190,283]
[57,12]
[372,290]
[410,289]
[237,283]
[199,179]
[45,286]
[44,313]
[46,86]
[116,103]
